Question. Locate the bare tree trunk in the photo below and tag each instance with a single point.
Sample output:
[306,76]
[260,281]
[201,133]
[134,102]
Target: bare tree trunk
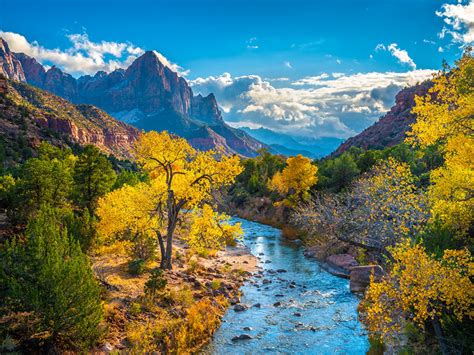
[162,249]
[172,220]
[440,336]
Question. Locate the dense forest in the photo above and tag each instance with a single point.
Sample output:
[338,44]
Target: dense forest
[71,221]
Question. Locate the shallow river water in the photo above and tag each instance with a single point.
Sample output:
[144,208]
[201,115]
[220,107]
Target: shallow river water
[317,314]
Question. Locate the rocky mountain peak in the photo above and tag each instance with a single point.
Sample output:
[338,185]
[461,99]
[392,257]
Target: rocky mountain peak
[10,66]
[148,94]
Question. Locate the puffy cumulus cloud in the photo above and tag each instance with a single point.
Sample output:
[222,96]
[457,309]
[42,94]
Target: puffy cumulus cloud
[395,51]
[459,20]
[84,56]
[337,104]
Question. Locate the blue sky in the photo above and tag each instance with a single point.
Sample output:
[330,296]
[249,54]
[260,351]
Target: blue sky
[256,54]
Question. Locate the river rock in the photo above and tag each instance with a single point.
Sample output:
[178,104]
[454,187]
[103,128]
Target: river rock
[240,307]
[343,261]
[297,314]
[281,271]
[360,276]
[234,300]
[266,281]
[257,305]
[247,329]
[277,304]
[242,337]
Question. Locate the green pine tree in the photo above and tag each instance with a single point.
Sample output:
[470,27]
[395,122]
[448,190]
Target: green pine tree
[93,177]
[49,277]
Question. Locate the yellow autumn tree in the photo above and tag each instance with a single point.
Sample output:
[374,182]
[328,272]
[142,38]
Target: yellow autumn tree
[420,288]
[296,178]
[210,230]
[182,179]
[445,116]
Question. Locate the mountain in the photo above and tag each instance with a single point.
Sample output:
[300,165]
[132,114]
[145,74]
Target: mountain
[286,144]
[29,116]
[148,95]
[390,129]
[10,66]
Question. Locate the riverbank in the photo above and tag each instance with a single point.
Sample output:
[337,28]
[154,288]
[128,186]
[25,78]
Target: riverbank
[196,285]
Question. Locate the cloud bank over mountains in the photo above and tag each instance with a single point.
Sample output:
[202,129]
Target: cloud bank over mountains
[329,104]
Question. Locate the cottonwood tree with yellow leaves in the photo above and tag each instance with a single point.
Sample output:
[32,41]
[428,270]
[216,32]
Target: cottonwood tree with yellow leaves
[420,288]
[445,116]
[181,180]
[296,178]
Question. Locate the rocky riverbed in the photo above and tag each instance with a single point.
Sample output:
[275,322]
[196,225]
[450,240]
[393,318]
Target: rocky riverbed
[291,305]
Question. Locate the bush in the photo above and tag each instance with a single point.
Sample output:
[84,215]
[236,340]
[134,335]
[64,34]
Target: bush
[136,266]
[156,283]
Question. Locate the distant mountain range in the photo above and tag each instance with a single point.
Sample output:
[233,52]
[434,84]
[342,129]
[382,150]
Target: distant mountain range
[286,144]
[147,94]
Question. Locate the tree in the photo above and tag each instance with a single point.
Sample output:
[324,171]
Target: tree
[376,212]
[445,117]
[420,288]
[337,174]
[181,179]
[93,177]
[296,178]
[49,277]
[210,230]
[46,179]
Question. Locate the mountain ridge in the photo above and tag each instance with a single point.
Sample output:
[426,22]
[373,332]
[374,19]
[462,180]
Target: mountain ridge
[391,128]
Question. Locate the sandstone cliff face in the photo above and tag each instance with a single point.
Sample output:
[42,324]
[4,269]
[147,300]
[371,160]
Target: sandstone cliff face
[391,128]
[10,66]
[32,115]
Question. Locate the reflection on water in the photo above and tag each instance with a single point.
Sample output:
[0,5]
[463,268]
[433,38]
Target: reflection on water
[316,315]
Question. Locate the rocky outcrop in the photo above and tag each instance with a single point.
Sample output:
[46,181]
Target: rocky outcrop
[360,276]
[391,128]
[10,66]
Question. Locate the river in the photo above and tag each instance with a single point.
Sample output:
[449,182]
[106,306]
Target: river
[317,312]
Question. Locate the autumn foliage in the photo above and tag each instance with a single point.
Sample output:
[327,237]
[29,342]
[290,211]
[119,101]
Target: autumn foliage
[296,178]
[420,288]
[181,180]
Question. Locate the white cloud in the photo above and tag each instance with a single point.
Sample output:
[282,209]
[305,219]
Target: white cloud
[401,55]
[395,51]
[459,20]
[334,104]
[84,56]
[440,49]
[288,65]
